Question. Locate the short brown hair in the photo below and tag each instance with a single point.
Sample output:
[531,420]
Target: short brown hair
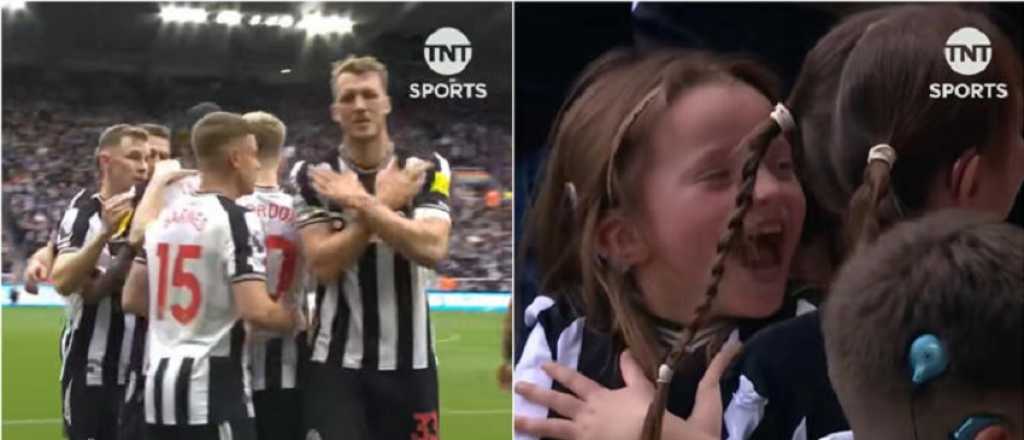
[215,130]
[358,66]
[270,133]
[954,274]
[156,130]
[112,136]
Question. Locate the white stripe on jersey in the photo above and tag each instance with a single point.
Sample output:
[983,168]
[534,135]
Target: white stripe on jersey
[536,352]
[98,344]
[353,357]
[328,312]
[289,364]
[420,338]
[387,308]
[128,338]
[167,382]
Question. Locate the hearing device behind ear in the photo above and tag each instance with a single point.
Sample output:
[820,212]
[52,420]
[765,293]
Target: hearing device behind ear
[928,359]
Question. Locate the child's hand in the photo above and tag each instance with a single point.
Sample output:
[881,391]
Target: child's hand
[599,413]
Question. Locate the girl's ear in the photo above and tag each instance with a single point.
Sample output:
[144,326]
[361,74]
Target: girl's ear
[620,241]
[964,184]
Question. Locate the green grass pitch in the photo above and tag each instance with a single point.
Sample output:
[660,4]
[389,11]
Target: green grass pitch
[468,347]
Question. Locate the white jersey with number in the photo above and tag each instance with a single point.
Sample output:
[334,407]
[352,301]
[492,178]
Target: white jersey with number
[275,356]
[196,250]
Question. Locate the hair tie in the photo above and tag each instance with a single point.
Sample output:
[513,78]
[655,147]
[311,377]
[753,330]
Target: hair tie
[784,118]
[884,153]
[570,194]
[665,374]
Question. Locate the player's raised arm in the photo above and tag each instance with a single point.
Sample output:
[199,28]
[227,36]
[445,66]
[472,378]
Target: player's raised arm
[423,238]
[77,257]
[328,251]
[167,172]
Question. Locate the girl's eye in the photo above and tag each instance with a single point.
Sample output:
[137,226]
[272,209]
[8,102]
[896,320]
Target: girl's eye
[718,175]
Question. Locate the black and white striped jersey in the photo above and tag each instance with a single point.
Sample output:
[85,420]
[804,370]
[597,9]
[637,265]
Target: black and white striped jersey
[194,252]
[138,362]
[558,333]
[779,387]
[376,315]
[97,338]
[275,357]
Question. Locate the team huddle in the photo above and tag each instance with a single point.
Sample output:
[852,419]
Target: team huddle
[217,303]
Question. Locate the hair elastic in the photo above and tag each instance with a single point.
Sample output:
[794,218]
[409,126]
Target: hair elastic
[884,153]
[665,374]
[570,194]
[784,118]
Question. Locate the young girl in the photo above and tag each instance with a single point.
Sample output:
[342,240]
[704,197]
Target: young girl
[638,201]
[875,147]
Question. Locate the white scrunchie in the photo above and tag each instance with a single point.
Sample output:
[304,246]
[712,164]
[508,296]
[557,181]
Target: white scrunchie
[884,153]
[784,118]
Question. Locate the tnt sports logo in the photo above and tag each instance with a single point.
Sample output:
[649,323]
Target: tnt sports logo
[968,51]
[447,51]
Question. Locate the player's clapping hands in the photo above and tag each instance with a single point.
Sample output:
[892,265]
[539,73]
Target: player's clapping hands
[115,210]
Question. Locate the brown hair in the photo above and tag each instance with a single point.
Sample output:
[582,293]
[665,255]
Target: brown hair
[863,84]
[358,66]
[270,133]
[867,83]
[609,111]
[215,131]
[954,274]
[112,136]
[156,130]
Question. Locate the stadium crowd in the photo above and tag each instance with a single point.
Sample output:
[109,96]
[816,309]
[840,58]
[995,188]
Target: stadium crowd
[51,122]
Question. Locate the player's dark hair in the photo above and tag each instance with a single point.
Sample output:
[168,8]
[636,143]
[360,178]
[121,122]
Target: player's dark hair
[156,130]
[597,149]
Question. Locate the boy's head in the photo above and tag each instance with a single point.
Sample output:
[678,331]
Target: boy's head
[956,275]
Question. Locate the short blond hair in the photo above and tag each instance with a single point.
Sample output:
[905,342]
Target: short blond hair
[358,65]
[215,131]
[270,133]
